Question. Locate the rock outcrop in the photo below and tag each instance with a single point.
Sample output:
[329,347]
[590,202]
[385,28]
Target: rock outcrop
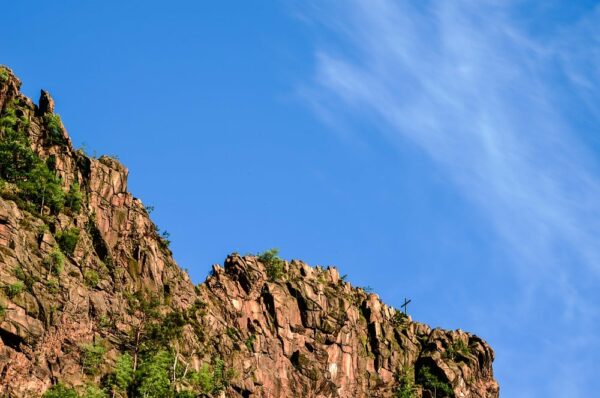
[303,332]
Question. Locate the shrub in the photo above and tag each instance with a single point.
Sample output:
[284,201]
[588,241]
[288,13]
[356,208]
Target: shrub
[222,376]
[250,342]
[54,125]
[91,278]
[274,265]
[74,198]
[431,382]
[164,239]
[212,380]
[456,349]
[43,187]
[60,391]
[92,391]
[17,158]
[19,164]
[154,376]
[406,384]
[4,76]
[92,356]
[123,373]
[67,240]
[167,329]
[2,311]
[52,285]
[19,273]
[185,394]
[14,289]
[55,262]
[204,379]
[22,276]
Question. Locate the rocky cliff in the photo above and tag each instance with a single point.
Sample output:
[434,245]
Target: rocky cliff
[92,303]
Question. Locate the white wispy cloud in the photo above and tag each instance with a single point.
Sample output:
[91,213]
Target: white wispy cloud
[493,105]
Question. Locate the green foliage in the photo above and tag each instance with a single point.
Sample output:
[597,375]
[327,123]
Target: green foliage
[19,273]
[14,289]
[185,394]
[92,356]
[2,311]
[204,379]
[23,277]
[20,165]
[456,349]
[91,278]
[123,374]
[4,75]
[153,376]
[250,342]
[273,263]
[431,382]
[74,198]
[221,376]
[54,126]
[60,391]
[232,332]
[212,379]
[17,159]
[160,372]
[399,318]
[406,384]
[43,187]
[168,329]
[92,391]
[55,262]
[67,240]
[164,239]
[52,285]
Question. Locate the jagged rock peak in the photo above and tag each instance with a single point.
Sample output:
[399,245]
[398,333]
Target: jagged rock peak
[46,103]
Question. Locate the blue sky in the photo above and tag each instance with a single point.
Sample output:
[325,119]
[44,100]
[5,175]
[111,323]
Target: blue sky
[442,151]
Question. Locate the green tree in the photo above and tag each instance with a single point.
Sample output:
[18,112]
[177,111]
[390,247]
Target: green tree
[91,391]
[432,383]
[154,376]
[17,158]
[54,129]
[123,373]
[41,186]
[273,263]
[74,198]
[60,391]
[406,384]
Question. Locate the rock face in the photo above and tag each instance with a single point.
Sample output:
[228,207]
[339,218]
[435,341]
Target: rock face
[303,333]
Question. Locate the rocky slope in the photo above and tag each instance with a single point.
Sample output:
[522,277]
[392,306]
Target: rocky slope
[92,303]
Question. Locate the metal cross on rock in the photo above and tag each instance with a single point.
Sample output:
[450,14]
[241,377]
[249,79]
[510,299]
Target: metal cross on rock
[405,305]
